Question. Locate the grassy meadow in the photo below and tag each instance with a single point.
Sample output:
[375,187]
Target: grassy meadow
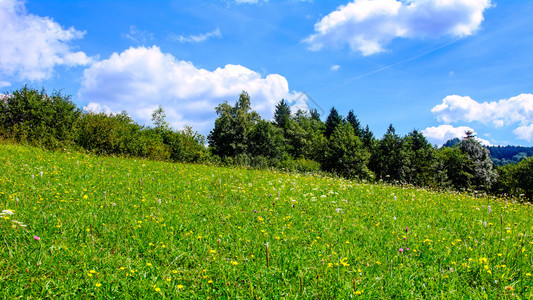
[82,226]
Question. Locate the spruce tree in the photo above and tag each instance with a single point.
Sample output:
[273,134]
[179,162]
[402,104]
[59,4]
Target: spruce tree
[333,120]
[282,114]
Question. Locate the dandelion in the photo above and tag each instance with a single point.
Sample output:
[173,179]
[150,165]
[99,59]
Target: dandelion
[157,289]
[98,284]
[179,286]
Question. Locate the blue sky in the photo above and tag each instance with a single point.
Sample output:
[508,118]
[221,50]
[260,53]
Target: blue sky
[437,66]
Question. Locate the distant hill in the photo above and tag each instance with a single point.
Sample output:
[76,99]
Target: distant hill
[502,155]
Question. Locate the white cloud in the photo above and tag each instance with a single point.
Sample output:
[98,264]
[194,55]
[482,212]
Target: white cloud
[368,25]
[31,46]
[98,108]
[139,79]
[335,67]
[439,135]
[139,36]
[525,132]
[456,108]
[196,38]
[4,84]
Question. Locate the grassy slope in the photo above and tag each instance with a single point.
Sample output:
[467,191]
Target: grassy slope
[104,233]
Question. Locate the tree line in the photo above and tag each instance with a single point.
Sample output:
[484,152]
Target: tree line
[295,141]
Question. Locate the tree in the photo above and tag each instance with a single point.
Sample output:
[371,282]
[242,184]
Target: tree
[346,155]
[305,137]
[33,116]
[421,159]
[481,170]
[367,137]
[282,114]
[352,120]
[266,140]
[333,120]
[315,115]
[388,159]
[231,133]
[158,118]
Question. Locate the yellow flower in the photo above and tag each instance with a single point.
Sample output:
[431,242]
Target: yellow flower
[234,263]
[179,286]
[85,197]
[98,284]
[149,264]
[157,289]
[210,281]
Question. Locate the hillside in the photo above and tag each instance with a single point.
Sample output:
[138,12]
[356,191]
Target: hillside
[76,225]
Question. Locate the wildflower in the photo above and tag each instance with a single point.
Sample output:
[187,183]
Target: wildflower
[148,264]
[36,238]
[509,288]
[157,289]
[179,286]
[98,284]
[401,250]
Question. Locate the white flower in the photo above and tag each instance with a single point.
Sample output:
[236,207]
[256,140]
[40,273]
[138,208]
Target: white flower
[7,212]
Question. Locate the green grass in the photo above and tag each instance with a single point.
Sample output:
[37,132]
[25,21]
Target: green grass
[104,233]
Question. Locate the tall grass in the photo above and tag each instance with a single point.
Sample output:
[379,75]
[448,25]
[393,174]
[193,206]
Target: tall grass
[106,227]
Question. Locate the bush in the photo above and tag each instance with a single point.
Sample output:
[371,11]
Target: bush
[28,115]
[301,165]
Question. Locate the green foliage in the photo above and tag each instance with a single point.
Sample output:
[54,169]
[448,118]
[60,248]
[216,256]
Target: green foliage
[346,155]
[186,145]
[231,133]
[480,163]
[515,179]
[421,160]
[282,114]
[333,120]
[389,160]
[266,140]
[28,115]
[159,119]
[302,165]
[356,125]
[305,138]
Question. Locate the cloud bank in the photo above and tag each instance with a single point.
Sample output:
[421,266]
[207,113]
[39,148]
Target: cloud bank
[31,46]
[505,112]
[368,25]
[139,79]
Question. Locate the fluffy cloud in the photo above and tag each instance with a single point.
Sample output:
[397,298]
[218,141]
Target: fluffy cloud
[525,132]
[368,25]
[455,108]
[439,135]
[515,110]
[31,46]
[139,79]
